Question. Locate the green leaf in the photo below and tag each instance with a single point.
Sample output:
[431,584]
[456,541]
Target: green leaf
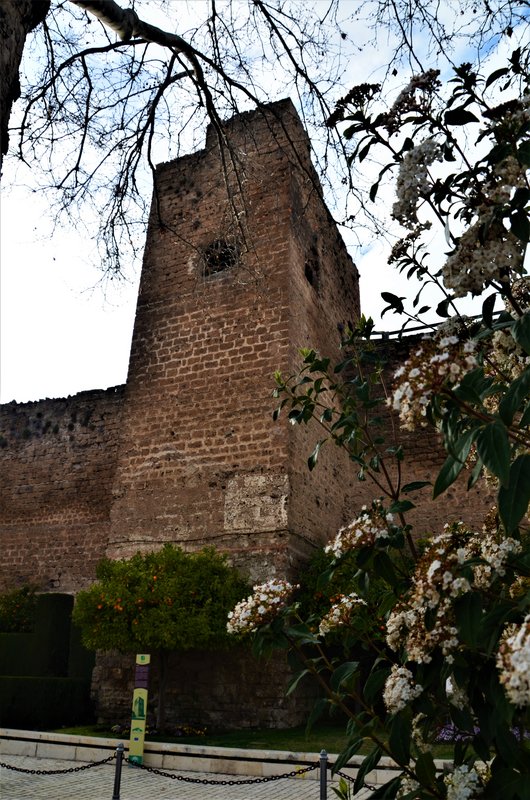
[370,762]
[441,308]
[523,153]
[394,302]
[481,747]
[312,460]
[343,675]
[520,225]
[514,498]
[520,197]
[451,469]
[525,418]
[495,75]
[426,770]
[487,309]
[414,486]
[321,705]
[399,506]
[293,683]
[493,447]
[459,116]
[385,569]
[346,754]
[455,461]
[399,739]
[462,718]
[521,332]
[475,474]
[516,394]
[388,791]
[375,682]
[468,613]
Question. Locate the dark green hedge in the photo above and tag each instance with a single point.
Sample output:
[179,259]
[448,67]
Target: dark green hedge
[52,648]
[52,632]
[33,703]
[80,660]
[19,655]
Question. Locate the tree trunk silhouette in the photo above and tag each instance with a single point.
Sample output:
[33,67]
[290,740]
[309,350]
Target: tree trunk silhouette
[17,19]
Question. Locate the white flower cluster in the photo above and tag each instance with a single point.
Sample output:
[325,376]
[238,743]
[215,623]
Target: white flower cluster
[435,587]
[414,181]
[480,258]
[400,689]
[370,526]
[416,96]
[407,786]
[340,613]
[463,783]
[437,362]
[507,356]
[495,555]
[508,174]
[260,607]
[455,694]
[406,627]
[438,582]
[513,663]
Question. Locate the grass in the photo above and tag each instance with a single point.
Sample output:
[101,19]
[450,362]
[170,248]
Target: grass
[331,738]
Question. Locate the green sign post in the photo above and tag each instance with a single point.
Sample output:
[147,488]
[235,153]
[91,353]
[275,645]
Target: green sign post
[139,709]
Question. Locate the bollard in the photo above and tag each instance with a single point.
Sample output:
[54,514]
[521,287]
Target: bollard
[323,775]
[117,774]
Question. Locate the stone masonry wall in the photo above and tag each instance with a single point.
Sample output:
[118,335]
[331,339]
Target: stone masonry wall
[57,459]
[242,267]
[205,464]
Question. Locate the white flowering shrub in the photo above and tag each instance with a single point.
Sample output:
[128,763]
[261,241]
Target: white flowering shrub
[434,628]
[260,607]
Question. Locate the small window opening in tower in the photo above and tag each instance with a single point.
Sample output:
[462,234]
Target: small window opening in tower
[312,267]
[219,256]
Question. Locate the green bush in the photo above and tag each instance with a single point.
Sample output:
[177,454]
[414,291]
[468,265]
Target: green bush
[17,610]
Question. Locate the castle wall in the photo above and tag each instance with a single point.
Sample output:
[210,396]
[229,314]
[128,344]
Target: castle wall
[57,459]
[242,267]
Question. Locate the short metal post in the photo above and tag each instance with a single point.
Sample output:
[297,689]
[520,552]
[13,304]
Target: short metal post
[117,775]
[323,775]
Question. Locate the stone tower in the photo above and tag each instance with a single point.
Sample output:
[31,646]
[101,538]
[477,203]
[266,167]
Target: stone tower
[243,266]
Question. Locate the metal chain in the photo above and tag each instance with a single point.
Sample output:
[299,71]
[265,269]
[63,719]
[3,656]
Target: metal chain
[352,780]
[58,771]
[295,773]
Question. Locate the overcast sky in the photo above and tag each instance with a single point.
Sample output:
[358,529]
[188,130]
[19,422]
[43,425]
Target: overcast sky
[61,329]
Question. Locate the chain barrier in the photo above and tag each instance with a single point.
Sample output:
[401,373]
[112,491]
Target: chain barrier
[202,781]
[58,771]
[243,781]
[352,780]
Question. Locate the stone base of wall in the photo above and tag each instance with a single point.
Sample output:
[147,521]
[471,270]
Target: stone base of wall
[219,691]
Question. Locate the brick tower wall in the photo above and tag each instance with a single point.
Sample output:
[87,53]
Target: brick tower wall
[201,461]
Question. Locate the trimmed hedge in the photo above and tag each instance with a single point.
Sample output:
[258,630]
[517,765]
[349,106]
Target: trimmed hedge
[34,703]
[52,632]
[80,660]
[19,655]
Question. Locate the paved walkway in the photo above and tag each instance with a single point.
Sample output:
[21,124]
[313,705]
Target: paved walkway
[97,783]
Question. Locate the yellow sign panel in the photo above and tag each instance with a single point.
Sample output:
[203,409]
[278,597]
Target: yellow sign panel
[139,709]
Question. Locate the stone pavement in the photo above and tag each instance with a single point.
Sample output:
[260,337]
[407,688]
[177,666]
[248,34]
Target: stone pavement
[97,783]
